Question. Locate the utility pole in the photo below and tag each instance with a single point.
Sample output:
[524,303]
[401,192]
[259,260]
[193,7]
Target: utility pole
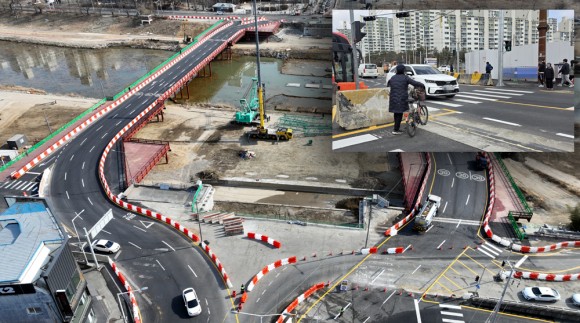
[543,28]
[500,51]
[354,51]
[457,54]
[493,316]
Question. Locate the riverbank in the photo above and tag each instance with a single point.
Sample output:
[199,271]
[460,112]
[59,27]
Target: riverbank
[106,32]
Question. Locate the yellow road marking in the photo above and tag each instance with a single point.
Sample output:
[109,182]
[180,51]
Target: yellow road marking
[452,282]
[464,265]
[535,105]
[444,113]
[333,112]
[506,314]
[434,172]
[444,271]
[559,92]
[455,271]
[475,261]
[354,132]
[449,290]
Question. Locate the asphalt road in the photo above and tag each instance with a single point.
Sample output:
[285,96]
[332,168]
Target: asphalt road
[460,4]
[511,118]
[152,254]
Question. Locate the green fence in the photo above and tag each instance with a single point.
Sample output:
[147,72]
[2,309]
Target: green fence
[309,125]
[102,101]
[514,185]
[520,233]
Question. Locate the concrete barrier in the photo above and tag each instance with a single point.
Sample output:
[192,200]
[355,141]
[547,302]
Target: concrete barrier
[269,268]
[363,108]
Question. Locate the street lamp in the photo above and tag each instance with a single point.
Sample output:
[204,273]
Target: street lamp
[261,316]
[196,201]
[121,305]
[78,215]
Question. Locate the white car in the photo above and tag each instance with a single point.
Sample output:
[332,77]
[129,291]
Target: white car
[444,68]
[576,299]
[107,246]
[542,294]
[191,302]
[368,70]
[436,83]
[219,12]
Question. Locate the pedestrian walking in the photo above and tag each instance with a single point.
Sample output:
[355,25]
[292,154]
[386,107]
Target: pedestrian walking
[488,69]
[398,97]
[565,70]
[573,64]
[541,72]
[451,68]
[549,75]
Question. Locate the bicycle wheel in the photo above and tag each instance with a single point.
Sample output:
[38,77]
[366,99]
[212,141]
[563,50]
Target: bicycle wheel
[411,128]
[423,114]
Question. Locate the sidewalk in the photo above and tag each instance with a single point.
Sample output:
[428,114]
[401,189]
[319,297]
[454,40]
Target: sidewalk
[105,304]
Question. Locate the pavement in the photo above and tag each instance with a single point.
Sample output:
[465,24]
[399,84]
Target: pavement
[105,304]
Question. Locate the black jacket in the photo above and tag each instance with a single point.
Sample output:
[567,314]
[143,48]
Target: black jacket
[399,96]
[549,73]
[542,67]
[488,68]
[565,69]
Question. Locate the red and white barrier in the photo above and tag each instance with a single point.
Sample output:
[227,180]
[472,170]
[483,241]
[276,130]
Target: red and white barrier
[366,251]
[269,268]
[203,17]
[299,300]
[395,228]
[268,240]
[217,262]
[396,250]
[546,277]
[135,307]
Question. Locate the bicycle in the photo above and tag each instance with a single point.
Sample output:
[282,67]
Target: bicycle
[418,113]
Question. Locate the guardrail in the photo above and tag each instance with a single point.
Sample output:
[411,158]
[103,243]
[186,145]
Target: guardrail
[520,233]
[513,183]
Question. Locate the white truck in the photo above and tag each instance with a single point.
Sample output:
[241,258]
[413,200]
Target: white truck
[428,211]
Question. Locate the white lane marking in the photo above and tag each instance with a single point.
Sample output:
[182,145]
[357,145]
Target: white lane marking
[467,201]
[83,182]
[167,244]
[83,166]
[29,186]
[192,271]
[337,144]
[458,223]
[430,227]
[104,135]
[270,283]
[445,207]
[453,105]
[157,262]
[92,149]
[450,161]
[417,310]
[516,91]
[258,300]
[136,246]
[475,97]
[105,231]
[128,105]
[455,307]
[467,101]
[115,115]
[132,111]
[264,292]
[12,184]
[67,196]
[278,274]
[488,249]
[20,184]
[140,229]
[451,220]
[416,269]
[505,122]
[441,244]
[386,300]
[489,95]
[570,108]
[452,321]
[88,198]
[84,141]
[452,182]
[382,271]
[99,128]
[71,157]
[451,313]
[431,109]
[206,303]
[117,255]
[564,135]
[494,93]
[485,253]
[521,261]
[116,124]
[498,250]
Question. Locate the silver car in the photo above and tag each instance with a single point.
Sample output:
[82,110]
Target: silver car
[542,294]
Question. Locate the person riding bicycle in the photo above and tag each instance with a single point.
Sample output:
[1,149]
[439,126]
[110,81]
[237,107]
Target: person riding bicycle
[398,98]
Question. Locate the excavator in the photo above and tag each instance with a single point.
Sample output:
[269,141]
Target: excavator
[248,105]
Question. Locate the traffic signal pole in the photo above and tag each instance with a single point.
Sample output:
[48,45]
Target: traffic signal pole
[354,51]
[500,51]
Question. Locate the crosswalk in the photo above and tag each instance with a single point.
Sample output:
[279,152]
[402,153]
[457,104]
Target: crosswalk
[478,96]
[19,186]
[451,313]
[489,250]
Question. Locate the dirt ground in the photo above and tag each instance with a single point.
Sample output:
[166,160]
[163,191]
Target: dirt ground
[24,112]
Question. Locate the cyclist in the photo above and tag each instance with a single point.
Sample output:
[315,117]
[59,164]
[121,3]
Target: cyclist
[398,98]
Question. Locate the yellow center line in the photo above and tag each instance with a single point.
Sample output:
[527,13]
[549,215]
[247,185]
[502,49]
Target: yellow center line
[466,267]
[452,282]
[534,105]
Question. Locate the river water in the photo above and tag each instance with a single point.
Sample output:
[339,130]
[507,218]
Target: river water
[104,72]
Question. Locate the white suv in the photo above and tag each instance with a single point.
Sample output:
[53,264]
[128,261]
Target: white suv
[368,70]
[436,83]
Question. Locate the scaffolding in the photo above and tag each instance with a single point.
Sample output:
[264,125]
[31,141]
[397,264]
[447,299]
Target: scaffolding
[309,125]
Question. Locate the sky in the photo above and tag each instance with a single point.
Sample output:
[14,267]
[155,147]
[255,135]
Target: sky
[342,15]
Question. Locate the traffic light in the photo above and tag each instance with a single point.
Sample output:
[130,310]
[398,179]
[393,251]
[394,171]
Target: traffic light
[370,18]
[477,278]
[403,14]
[358,34]
[508,45]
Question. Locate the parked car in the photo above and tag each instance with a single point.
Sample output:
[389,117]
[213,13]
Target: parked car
[541,294]
[436,83]
[576,299]
[219,12]
[368,70]
[444,68]
[107,246]
[191,302]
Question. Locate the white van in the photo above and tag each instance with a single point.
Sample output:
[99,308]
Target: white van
[368,70]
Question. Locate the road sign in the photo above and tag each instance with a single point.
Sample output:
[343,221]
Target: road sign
[101,224]
[477,286]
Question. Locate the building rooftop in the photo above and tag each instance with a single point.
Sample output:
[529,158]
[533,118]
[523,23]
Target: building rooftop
[28,235]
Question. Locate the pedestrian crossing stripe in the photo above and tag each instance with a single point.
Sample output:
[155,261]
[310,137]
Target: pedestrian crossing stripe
[486,93]
[502,93]
[19,185]
[446,104]
[452,321]
[475,97]
[516,91]
[489,250]
[455,307]
[467,101]
[342,143]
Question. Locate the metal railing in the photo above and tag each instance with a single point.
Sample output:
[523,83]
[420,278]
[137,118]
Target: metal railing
[513,183]
[520,233]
